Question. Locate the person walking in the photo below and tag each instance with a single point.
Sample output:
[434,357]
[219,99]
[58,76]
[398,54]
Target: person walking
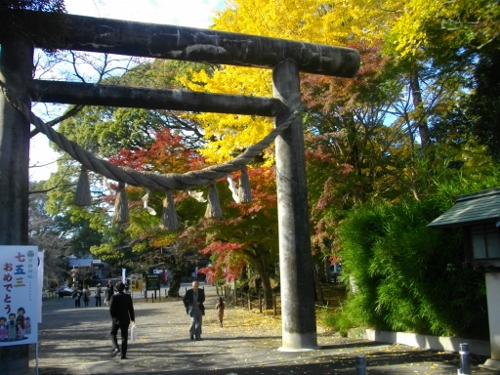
[86,295]
[98,293]
[121,309]
[193,302]
[77,296]
[109,292]
[219,310]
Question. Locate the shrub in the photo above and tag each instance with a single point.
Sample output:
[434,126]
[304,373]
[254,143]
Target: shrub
[408,276]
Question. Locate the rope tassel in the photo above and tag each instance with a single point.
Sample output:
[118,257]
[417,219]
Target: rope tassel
[214,210]
[82,195]
[233,188]
[145,201]
[244,189]
[121,205]
[169,215]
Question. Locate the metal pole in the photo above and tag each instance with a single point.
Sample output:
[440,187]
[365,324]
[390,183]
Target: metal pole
[361,365]
[464,359]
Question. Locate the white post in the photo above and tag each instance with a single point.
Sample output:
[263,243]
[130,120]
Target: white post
[493,299]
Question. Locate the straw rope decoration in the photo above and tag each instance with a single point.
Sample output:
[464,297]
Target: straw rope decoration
[162,182]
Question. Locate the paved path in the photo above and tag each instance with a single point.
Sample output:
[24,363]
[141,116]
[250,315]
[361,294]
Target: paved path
[75,341]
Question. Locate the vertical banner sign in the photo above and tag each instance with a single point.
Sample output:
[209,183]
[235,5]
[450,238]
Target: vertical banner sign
[19,295]
[136,282]
[124,275]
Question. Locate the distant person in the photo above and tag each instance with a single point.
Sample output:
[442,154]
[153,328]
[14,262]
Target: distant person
[98,293]
[109,292]
[336,272]
[193,302]
[127,286]
[77,296]
[219,310]
[86,295]
[122,313]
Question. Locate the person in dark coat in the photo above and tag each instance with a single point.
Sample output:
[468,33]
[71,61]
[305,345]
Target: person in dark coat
[77,296]
[98,292]
[86,295]
[193,301]
[121,309]
[109,292]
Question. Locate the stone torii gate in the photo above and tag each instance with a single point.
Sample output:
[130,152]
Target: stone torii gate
[286,58]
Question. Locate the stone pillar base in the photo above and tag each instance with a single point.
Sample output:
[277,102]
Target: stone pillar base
[298,342]
[491,364]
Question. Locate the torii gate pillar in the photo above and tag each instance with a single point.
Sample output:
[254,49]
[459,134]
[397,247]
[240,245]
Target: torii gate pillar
[16,67]
[296,277]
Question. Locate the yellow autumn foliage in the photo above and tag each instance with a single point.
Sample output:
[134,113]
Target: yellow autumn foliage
[296,20]
[458,22]
[402,24]
[229,134]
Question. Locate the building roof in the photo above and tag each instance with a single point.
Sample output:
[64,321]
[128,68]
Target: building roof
[85,262]
[80,262]
[471,209]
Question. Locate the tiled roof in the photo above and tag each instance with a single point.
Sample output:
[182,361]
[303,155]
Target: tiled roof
[470,208]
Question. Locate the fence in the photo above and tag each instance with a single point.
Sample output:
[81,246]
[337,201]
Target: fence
[250,301]
[154,295]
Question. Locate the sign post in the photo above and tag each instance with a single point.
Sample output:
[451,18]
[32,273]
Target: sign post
[153,282]
[136,282]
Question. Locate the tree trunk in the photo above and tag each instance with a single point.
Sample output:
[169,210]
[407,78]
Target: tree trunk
[175,285]
[423,128]
[319,292]
[261,268]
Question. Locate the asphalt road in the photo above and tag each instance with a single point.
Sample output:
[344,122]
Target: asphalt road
[75,341]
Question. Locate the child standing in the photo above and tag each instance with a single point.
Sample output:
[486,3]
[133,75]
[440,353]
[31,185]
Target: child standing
[219,309]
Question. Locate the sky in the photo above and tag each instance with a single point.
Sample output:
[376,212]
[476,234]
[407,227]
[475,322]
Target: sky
[191,13]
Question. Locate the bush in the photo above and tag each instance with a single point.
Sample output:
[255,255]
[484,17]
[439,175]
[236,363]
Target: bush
[337,320]
[408,276]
